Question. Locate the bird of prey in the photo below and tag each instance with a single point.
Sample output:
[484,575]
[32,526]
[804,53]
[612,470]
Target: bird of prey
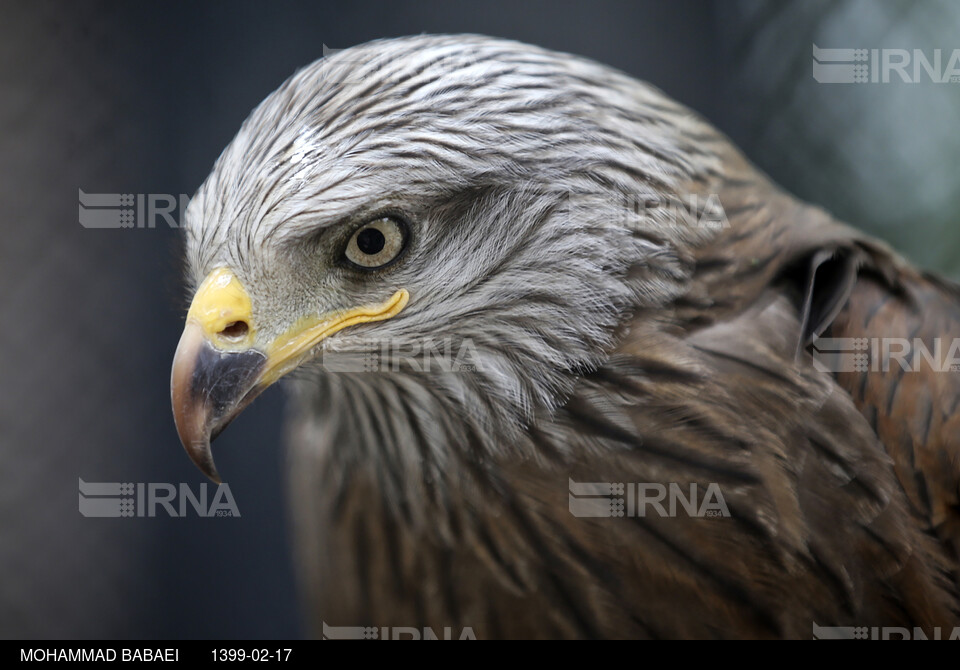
[631,306]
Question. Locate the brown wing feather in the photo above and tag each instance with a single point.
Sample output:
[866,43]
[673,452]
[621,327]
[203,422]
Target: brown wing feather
[914,411]
[915,414]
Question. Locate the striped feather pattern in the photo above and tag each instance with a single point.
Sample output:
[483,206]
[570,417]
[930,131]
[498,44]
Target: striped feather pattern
[615,340]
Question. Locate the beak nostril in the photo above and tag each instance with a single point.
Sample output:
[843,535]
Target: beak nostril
[236,330]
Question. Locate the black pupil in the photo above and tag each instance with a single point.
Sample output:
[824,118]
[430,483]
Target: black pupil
[371,241]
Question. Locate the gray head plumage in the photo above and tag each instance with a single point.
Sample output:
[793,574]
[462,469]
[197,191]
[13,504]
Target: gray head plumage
[520,171]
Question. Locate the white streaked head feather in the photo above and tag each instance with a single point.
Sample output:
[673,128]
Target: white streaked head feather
[520,170]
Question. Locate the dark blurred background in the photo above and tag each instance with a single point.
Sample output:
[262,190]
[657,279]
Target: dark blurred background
[109,97]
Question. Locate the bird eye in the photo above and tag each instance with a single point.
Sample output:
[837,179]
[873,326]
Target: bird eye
[377,243]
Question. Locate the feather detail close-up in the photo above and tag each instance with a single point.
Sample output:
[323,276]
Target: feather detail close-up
[542,320]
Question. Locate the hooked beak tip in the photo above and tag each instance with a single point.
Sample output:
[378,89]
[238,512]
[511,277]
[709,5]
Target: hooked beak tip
[202,456]
[208,388]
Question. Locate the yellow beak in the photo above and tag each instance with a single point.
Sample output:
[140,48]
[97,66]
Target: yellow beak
[218,370]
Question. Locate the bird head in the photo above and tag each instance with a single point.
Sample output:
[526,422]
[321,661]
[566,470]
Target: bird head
[455,188]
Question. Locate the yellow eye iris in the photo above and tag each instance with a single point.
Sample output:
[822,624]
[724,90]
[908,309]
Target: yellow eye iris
[376,243]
